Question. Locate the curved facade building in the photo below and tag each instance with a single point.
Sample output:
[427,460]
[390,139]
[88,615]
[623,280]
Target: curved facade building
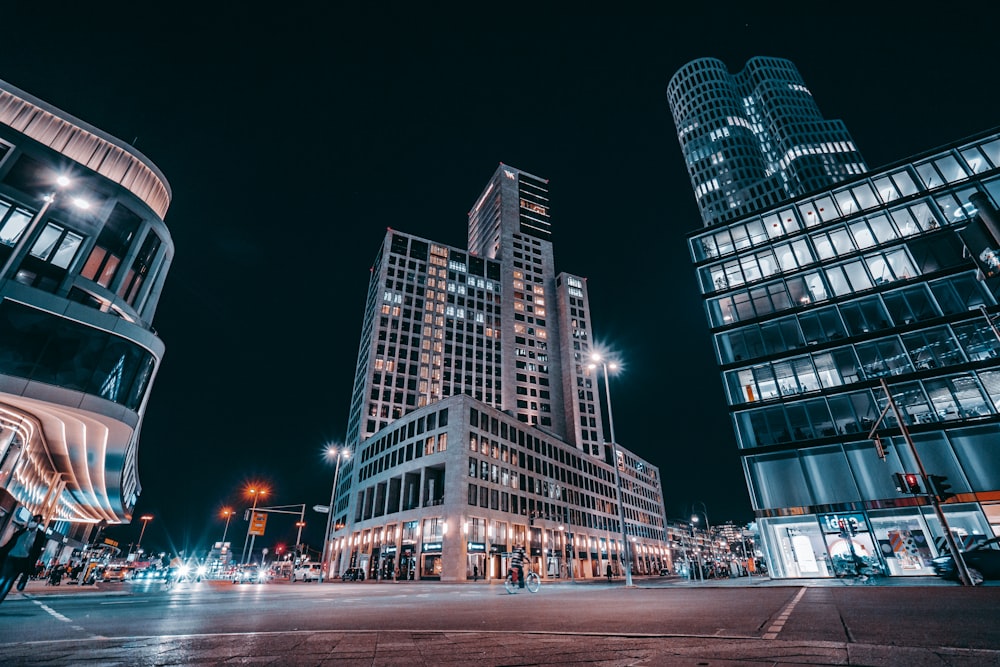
[84,253]
[756,138]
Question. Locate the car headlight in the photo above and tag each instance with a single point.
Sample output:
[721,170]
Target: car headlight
[202,570]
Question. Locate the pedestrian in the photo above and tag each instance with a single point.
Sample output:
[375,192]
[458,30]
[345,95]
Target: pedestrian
[20,552]
[607,572]
[475,573]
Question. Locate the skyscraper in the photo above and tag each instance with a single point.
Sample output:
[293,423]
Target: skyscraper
[824,304]
[84,253]
[756,138]
[474,406]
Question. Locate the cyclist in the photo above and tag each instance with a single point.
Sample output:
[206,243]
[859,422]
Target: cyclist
[517,564]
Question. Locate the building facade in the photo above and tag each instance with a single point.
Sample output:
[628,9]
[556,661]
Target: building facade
[84,253]
[756,138]
[819,303]
[492,340]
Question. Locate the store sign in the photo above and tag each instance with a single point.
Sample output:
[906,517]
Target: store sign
[257,523]
[389,549]
[430,546]
[476,547]
[497,548]
[835,523]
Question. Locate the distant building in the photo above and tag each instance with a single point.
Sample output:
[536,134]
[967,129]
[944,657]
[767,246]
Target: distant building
[82,265]
[756,138]
[813,302]
[475,422]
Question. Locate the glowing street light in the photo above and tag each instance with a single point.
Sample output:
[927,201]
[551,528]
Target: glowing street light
[598,359]
[228,513]
[339,453]
[145,518]
[256,493]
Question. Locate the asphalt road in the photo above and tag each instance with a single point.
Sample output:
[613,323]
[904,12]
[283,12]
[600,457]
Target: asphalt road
[413,623]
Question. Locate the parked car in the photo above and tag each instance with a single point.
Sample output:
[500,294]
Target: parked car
[353,574]
[982,561]
[307,572]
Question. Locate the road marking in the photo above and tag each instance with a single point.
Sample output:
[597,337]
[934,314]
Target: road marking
[52,612]
[772,632]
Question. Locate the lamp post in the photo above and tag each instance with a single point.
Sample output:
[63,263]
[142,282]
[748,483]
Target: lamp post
[145,518]
[228,513]
[618,478]
[339,452]
[256,493]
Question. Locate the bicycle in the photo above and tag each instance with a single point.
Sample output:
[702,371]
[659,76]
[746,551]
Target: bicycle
[531,581]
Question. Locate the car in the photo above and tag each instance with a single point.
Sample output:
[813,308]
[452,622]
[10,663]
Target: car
[250,574]
[307,572]
[353,574]
[665,572]
[116,573]
[982,562]
[150,574]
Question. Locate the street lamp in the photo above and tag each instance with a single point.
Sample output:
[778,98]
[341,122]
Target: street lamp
[145,518]
[339,453]
[614,449]
[256,493]
[228,513]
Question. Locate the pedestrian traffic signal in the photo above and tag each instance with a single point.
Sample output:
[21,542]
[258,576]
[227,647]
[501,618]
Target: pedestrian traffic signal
[907,482]
[939,487]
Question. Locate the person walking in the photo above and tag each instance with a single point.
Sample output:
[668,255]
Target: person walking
[607,572]
[475,573]
[20,552]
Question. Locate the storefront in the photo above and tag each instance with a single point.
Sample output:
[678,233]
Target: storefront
[475,560]
[430,560]
[897,542]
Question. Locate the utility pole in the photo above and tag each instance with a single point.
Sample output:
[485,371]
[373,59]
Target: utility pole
[956,554]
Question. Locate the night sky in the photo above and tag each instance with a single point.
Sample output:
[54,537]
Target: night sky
[292,138]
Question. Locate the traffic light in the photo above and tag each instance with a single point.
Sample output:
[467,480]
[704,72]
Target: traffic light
[939,487]
[907,482]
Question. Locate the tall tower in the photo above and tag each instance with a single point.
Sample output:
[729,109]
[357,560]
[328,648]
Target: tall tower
[475,421]
[756,138]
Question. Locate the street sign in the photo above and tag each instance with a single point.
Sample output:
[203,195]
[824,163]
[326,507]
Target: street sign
[322,509]
[257,523]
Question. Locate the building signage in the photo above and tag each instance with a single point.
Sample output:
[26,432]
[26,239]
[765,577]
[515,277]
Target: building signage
[430,546]
[476,547]
[389,549]
[257,523]
[497,548]
[836,523]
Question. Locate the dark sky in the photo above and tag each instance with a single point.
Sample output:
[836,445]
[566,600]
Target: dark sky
[293,138]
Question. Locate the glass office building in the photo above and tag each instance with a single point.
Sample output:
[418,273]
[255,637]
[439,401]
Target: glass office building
[815,302]
[84,253]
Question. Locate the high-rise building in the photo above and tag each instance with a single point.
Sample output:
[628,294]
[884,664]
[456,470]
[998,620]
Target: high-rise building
[475,410]
[84,253]
[756,138]
[820,304]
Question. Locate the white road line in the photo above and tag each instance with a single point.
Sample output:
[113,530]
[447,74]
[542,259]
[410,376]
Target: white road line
[52,612]
[776,627]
